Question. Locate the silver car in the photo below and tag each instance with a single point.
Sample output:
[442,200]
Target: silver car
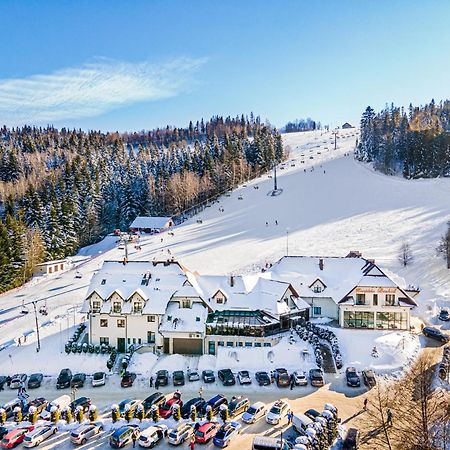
[17,380]
[39,435]
[85,432]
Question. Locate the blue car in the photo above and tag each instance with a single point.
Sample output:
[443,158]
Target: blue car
[123,436]
[225,433]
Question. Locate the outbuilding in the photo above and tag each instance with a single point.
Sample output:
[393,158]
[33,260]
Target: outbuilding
[51,267]
[147,224]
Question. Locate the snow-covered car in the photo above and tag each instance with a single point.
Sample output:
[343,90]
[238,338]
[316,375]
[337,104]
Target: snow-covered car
[98,379]
[132,403]
[152,435]
[39,435]
[193,375]
[85,432]
[225,433]
[369,378]
[244,377]
[254,412]
[278,410]
[300,378]
[15,437]
[17,379]
[180,433]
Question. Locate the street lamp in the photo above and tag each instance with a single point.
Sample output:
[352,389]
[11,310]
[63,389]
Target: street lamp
[287,241]
[37,326]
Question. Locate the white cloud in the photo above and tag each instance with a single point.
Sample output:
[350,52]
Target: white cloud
[92,89]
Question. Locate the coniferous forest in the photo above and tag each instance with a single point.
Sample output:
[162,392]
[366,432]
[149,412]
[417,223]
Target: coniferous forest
[414,143]
[301,125]
[63,189]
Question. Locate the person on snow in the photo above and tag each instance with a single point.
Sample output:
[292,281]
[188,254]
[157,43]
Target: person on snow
[366,401]
[134,437]
[151,381]
[192,443]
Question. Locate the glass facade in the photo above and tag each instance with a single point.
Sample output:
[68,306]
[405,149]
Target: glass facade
[358,319]
[379,320]
[392,320]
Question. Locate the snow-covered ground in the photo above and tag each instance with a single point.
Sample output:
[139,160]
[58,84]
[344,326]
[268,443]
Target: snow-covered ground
[330,204]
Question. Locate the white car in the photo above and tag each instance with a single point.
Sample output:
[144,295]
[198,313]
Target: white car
[244,377]
[98,379]
[193,375]
[38,435]
[254,412]
[85,432]
[278,410]
[152,435]
[17,379]
[300,378]
[181,433]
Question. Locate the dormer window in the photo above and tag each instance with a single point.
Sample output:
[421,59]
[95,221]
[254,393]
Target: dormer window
[117,306]
[317,289]
[219,300]
[103,281]
[137,307]
[96,306]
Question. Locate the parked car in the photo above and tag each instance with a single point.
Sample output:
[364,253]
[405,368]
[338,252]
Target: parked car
[133,405]
[156,399]
[128,379]
[165,410]
[312,414]
[3,431]
[436,334]
[444,315]
[60,403]
[39,435]
[369,378]
[262,378]
[352,377]
[278,410]
[208,376]
[193,375]
[244,377]
[64,379]
[17,379]
[85,432]
[39,403]
[316,377]
[9,407]
[282,377]
[98,379]
[216,402]
[15,437]
[226,376]
[152,435]
[162,378]
[178,378]
[300,422]
[199,404]
[254,412]
[83,402]
[180,433]
[270,443]
[225,433]
[206,432]
[122,436]
[3,380]
[35,380]
[237,405]
[351,441]
[78,380]
[300,378]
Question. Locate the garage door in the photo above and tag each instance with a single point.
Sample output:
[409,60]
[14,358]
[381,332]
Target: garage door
[188,346]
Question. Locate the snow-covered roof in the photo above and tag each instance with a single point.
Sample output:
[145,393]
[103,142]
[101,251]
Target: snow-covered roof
[186,320]
[150,222]
[186,291]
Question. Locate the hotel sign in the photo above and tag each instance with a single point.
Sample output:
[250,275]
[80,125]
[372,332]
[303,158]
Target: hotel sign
[375,290]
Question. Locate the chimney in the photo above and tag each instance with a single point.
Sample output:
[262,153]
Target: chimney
[321,264]
[231,280]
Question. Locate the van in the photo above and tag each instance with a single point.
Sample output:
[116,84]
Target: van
[300,423]
[269,443]
[123,436]
[9,407]
[180,434]
[60,403]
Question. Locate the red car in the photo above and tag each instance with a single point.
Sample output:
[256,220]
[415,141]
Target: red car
[165,410]
[15,437]
[128,379]
[206,432]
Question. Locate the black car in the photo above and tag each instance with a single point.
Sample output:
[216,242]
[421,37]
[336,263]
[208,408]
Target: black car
[3,431]
[162,378]
[156,399]
[84,402]
[352,377]
[39,403]
[226,376]
[351,441]
[199,404]
[262,378]
[436,334]
[444,315]
[178,378]
[208,376]
[64,379]
[215,402]
[3,381]
[369,378]
[35,380]
[78,380]
[312,414]
[316,377]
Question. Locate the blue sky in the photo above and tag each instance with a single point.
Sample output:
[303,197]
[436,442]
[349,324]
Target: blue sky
[131,65]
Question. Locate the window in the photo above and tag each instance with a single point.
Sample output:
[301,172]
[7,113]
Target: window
[375,299]
[120,323]
[391,320]
[230,344]
[129,341]
[317,311]
[220,343]
[103,323]
[360,299]
[358,319]
[212,348]
[390,300]
[56,268]
[103,281]
[219,300]
[137,307]
[186,303]
[151,318]
[61,266]
[150,337]
[257,344]
[197,319]
[317,289]
[134,340]
[117,307]
[139,341]
[248,344]
[240,344]
[267,344]
[96,306]
[104,340]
